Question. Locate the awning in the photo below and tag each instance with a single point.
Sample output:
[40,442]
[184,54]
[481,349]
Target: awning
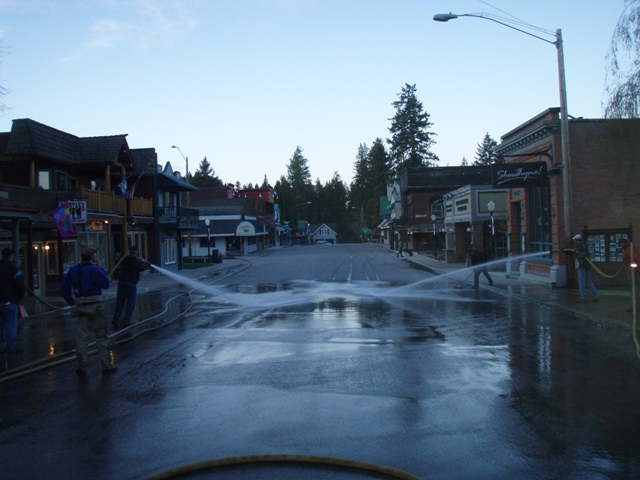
[421,228]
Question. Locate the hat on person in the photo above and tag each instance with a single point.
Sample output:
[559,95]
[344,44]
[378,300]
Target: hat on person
[134,249]
[87,252]
[622,241]
[577,236]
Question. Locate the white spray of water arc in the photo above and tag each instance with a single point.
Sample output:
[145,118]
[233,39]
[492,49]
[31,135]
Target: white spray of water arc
[232,299]
[309,293]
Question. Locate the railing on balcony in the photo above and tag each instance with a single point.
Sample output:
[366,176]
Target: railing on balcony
[178,217]
[109,202]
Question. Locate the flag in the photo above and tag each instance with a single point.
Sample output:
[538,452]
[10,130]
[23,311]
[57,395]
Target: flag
[127,192]
[493,226]
[62,216]
[123,188]
[133,187]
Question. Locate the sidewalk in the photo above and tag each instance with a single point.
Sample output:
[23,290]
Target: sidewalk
[610,311]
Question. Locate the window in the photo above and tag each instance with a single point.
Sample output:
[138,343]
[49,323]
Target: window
[140,240]
[51,253]
[539,220]
[169,251]
[69,254]
[324,232]
[61,180]
[462,205]
[44,179]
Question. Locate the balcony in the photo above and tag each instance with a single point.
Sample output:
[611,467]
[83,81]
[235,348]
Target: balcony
[178,217]
[110,202]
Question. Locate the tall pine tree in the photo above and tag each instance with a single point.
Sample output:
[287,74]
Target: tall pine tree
[205,175]
[411,140]
[485,153]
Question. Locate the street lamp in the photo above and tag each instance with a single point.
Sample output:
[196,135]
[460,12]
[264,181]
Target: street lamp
[564,117]
[207,222]
[186,161]
[435,246]
[492,206]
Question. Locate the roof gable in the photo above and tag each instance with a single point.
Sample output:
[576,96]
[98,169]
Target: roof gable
[29,138]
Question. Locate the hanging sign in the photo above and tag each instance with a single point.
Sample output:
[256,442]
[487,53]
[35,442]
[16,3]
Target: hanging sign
[77,211]
[517,175]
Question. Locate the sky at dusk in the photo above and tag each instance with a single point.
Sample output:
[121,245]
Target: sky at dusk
[244,82]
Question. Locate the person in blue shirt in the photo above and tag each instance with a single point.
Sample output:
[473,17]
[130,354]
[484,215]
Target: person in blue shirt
[82,286]
[12,290]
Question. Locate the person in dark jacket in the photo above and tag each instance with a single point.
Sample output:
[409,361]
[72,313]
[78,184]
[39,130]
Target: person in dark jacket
[11,292]
[130,268]
[82,286]
[585,283]
[478,260]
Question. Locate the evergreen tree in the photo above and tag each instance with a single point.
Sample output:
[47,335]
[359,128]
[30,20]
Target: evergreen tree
[360,177]
[205,176]
[623,74]
[296,190]
[334,199]
[465,162]
[285,199]
[411,140]
[485,153]
[371,175]
[265,182]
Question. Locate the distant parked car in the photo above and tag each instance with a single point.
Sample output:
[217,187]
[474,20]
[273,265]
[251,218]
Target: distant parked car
[322,242]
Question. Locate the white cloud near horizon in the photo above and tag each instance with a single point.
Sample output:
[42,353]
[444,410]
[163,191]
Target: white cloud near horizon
[139,24]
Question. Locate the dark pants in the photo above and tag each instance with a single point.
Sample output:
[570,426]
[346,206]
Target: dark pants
[8,325]
[476,275]
[126,294]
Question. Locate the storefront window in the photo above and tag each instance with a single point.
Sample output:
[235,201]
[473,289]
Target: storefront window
[69,254]
[539,220]
[51,254]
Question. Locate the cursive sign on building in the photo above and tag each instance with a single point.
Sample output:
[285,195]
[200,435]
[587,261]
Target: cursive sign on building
[517,175]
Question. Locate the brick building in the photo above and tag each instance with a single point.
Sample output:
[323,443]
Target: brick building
[605,198]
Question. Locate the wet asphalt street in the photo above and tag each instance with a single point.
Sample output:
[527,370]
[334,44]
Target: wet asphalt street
[337,351]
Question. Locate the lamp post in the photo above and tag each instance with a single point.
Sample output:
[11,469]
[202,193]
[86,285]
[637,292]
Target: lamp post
[207,222]
[492,206]
[469,245]
[186,161]
[564,117]
[435,245]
